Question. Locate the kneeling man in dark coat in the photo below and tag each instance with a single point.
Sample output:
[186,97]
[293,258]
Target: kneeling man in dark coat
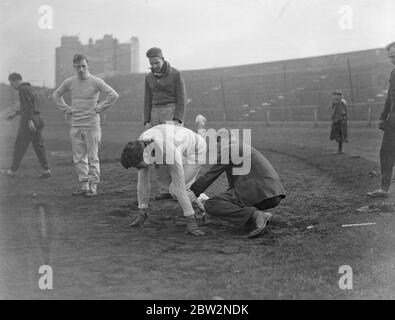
[254,185]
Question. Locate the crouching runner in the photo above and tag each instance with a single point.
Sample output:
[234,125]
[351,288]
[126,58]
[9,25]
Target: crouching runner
[250,193]
[178,154]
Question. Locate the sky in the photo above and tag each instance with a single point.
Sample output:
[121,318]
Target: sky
[193,34]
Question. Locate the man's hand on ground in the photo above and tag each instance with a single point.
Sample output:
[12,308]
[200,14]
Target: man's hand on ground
[192,226]
[201,218]
[200,211]
[200,204]
[142,216]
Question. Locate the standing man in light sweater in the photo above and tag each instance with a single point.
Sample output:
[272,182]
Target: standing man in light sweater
[85,130]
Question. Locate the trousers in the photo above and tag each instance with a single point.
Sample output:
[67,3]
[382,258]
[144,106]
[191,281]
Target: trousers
[24,138]
[162,114]
[228,207]
[85,146]
[387,157]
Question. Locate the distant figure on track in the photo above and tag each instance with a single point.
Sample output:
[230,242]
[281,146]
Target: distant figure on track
[85,132]
[30,128]
[249,195]
[387,124]
[339,131]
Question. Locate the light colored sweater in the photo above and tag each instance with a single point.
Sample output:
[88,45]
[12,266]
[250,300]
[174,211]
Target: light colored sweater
[175,147]
[84,109]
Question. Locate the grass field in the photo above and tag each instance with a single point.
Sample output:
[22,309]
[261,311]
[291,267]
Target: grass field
[95,254]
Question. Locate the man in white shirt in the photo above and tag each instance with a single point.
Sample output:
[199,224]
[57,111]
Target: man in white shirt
[181,153]
[85,129]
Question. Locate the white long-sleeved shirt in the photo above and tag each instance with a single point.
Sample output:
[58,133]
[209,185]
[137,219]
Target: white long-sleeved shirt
[175,146]
[84,95]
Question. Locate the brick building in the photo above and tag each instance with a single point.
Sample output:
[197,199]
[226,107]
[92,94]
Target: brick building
[106,56]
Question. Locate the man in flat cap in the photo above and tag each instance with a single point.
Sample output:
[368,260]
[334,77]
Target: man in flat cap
[165,96]
[387,124]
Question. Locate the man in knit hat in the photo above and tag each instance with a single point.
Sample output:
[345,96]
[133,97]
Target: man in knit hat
[165,96]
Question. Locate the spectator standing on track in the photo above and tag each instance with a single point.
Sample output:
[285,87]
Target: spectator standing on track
[164,98]
[387,124]
[339,131]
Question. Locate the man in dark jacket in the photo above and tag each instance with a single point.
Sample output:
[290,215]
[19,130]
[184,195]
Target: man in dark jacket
[250,193]
[387,124]
[165,96]
[30,128]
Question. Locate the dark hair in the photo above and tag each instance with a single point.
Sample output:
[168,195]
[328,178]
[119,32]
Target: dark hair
[78,57]
[154,52]
[132,154]
[338,92]
[14,76]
